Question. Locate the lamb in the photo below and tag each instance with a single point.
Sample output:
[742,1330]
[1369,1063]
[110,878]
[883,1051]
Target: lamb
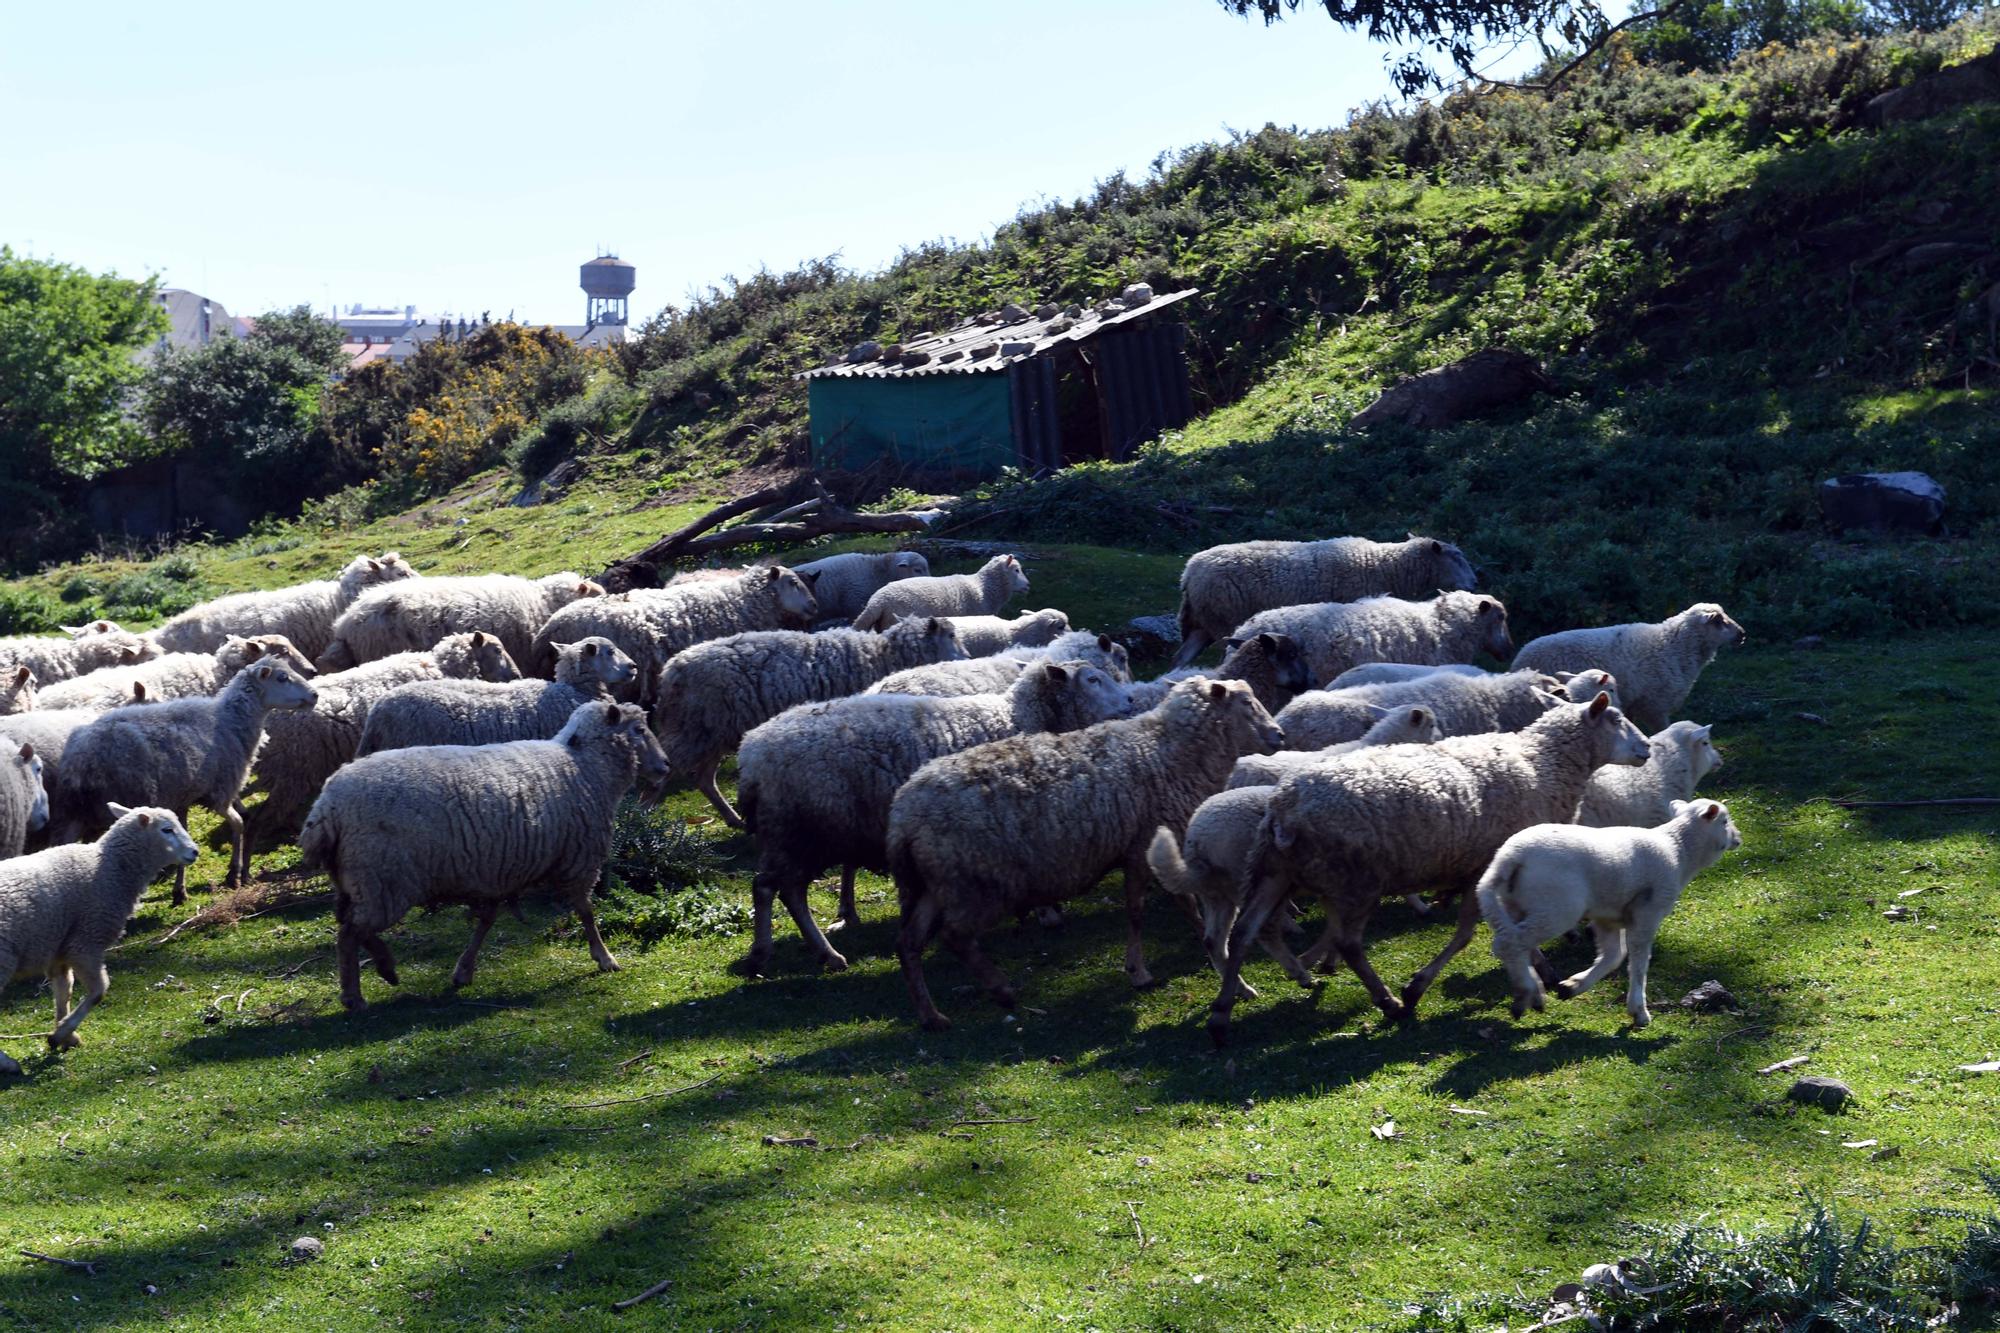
[303,613]
[982,636]
[1224,586]
[1549,878]
[1334,636]
[996,583]
[181,753]
[62,909]
[1410,725]
[302,750]
[713,694]
[1656,665]
[88,648]
[24,801]
[814,783]
[17,691]
[994,675]
[480,825]
[476,712]
[174,676]
[49,730]
[1404,818]
[650,625]
[844,583]
[1463,706]
[412,614]
[1644,797]
[1580,686]
[1270,664]
[1033,820]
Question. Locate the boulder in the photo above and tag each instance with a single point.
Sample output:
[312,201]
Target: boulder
[1708,997]
[1151,636]
[1469,387]
[1934,94]
[1894,502]
[1829,1094]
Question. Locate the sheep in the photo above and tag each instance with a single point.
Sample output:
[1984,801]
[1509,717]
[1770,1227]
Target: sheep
[982,636]
[303,613]
[1410,725]
[412,614]
[1580,686]
[994,675]
[91,647]
[1403,818]
[301,750]
[62,909]
[996,583]
[844,583]
[17,691]
[1462,705]
[174,676]
[1270,664]
[1333,636]
[181,753]
[1224,586]
[1551,877]
[476,712]
[650,625]
[24,801]
[1656,665]
[814,783]
[1033,820]
[713,694]
[49,730]
[480,825]
[1682,755]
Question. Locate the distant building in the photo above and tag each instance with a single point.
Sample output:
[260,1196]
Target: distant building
[193,320]
[387,333]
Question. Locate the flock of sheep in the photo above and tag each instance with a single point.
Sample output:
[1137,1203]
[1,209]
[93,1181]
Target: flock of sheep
[469,740]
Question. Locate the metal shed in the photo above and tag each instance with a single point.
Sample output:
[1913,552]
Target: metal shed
[1035,390]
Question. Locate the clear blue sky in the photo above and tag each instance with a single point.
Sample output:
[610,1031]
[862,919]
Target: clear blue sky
[468,157]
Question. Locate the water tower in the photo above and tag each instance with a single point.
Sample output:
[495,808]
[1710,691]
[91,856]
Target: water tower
[607,280]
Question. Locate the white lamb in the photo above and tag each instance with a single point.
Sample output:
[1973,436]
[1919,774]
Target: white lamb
[410,615]
[1656,665]
[88,648]
[174,676]
[303,613]
[1644,797]
[1546,879]
[996,583]
[982,636]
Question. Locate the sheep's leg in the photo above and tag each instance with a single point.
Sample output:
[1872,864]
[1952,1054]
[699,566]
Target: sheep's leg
[761,894]
[1468,924]
[1610,953]
[705,783]
[581,901]
[1639,945]
[8,1064]
[1543,967]
[180,883]
[1273,941]
[1418,905]
[59,983]
[989,976]
[239,852]
[1319,956]
[801,910]
[1257,909]
[1193,646]
[920,924]
[1218,958]
[468,962]
[1348,942]
[849,914]
[347,955]
[95,982]
[1517,957]
[385,962]
[1136,878]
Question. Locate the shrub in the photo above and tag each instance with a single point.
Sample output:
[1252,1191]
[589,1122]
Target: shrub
[24,611]
[656,879]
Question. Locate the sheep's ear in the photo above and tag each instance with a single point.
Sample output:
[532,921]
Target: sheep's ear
[936,625]
[613,715]
[771,573]
[129,655]
[812,579]
[1217,691]
[117,811]
[27,752]
[1437,548]
[22,675]
[1565,677]
[139,691]
[1715,617]
[374,566]
[1418,717]
[590,650]
[263,673]
[74,631]
[252,650]
[479,638]
[1268,641]
[1057,672]
[1231,645]
[1708,815]
[1706,732]
[1487,606]
[1104,644]
[1599,704]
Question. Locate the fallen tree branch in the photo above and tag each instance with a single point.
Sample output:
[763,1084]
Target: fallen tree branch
[1000,1120]
[825,521]
[89,1268]
[783,493]
[644,1097]
[1137,1230]
[643,1296]
[1911,805]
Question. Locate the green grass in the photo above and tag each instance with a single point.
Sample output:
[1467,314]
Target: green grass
[438,1144]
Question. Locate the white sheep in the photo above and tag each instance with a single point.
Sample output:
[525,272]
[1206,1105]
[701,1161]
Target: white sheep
[88,648]
[62,909]
[181,753]
[1656,665]
[1032,821]
[24,801]
[412,614]
[303,613]
[814,783]
[1395,673]
[49,730]
[1224,586]
[844,583]
[477,712]
[174,676]
[481,825]
[1411,724]
[1644,797]
[1334,636]
[982,636]
[1462,705]
[1547,879]
[1404,818]
[17,690]
[1270,664]
[983,593]
[715,693]
[995,674]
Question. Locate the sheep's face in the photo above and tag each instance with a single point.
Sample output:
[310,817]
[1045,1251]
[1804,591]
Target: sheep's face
[491,660]
[1713,830]
[1406,726]
[1493,629]
[1693,739]
[1717,630]
[238,653]
[1582,686]
[112,647]
[1093,696]
[793,594]
[598,659]
[933,638]
[281,688]
[908,565]
[1450,568]
[1016,577]
[1114,658]
[1614,740]
[162,829]
[1041,628]
[389,567]
[94,627]
[1288,665]
[1246,724]
[625,724]
[17,691]
[30,766]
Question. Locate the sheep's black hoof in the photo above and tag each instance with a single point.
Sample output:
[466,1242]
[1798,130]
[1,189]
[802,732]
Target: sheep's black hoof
[1564,991]
[1218,1030]
[936,1022]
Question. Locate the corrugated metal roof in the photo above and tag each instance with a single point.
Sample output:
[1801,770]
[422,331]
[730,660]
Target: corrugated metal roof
[988,343]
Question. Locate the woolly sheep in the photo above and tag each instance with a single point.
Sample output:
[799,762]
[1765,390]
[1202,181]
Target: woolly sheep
[301,750]
[1547,879]
[994,675]
[181,753]
[1270,664]
[1682,755]
[1409,725]
[24,801]
[17,691]
[1333,636]
[480,825]
[996,583]
[713,694]
[62,909]
[1463,706]
[91,647]
[650,625]
[412,614]
[1034,820]
[174,676]
[1580,686]
[1224,586]
[844,583]
[1656,665]
[49,731]
[982,636]
[476,712]
[303,613]
[814,783]
[1405,818]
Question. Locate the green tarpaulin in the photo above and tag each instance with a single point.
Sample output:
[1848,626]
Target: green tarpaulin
[936,423]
